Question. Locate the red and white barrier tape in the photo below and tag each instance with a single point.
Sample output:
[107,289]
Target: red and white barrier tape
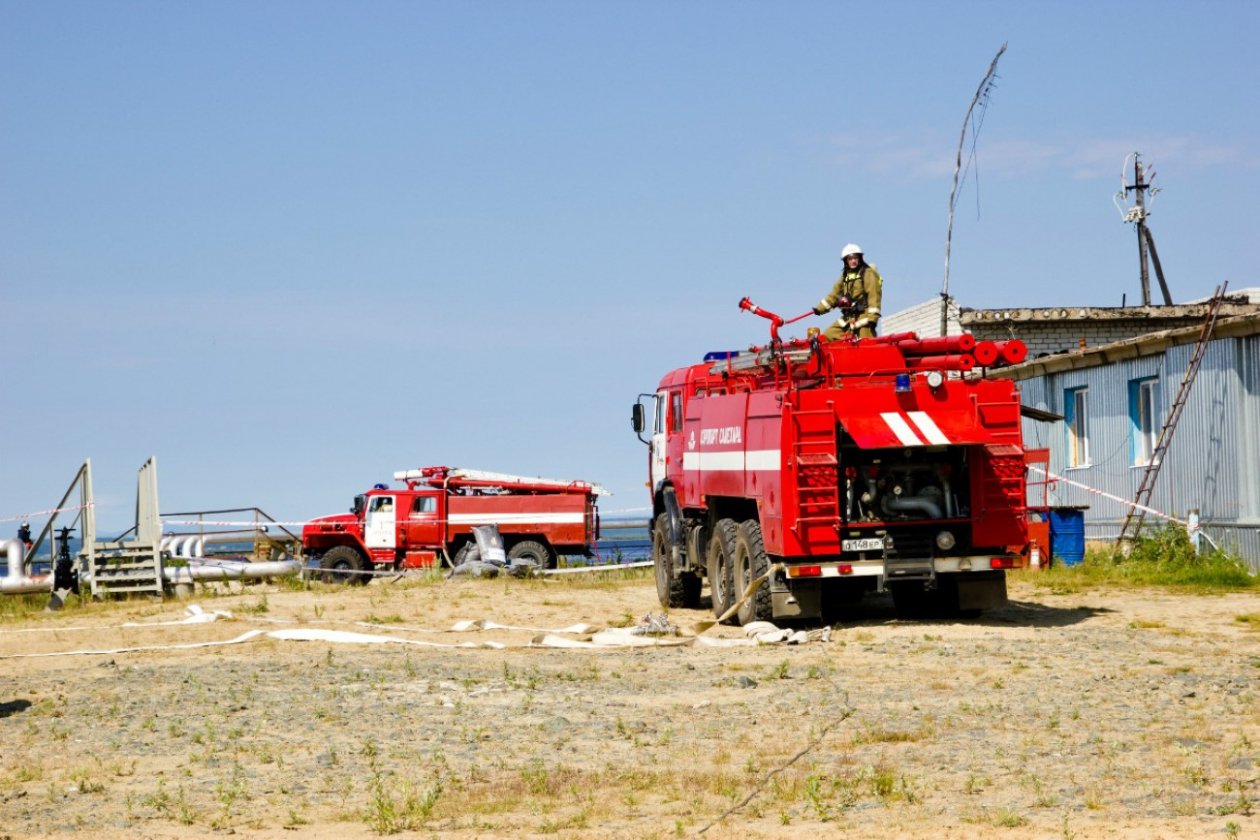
[36,514]
[1052,477]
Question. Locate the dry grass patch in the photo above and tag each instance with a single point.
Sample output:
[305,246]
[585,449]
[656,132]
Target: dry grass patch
[1250,620]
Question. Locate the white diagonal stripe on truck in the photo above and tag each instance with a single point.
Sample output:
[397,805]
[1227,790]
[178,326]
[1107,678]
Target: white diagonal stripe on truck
[901,428]
[928,427]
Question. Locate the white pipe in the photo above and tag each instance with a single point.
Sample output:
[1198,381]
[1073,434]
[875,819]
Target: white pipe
[22,586]
[229,537]
[230,570]
[15,580]
[193,546]
[17,552]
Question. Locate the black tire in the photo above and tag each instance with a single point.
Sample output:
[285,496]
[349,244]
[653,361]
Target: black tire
[534,552]
[674,589]
[719,559]
[751,563]
[663,563]
[344,564]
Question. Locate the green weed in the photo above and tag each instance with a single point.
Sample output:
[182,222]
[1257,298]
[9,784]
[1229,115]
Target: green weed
[1162,557]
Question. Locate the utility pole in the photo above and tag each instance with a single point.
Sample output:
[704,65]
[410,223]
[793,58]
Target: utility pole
[1139,188]
[1146,241]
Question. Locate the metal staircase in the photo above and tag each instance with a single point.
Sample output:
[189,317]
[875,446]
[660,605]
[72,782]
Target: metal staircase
[135,565]
[1137,514]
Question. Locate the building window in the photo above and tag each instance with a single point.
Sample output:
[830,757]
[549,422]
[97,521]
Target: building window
[1144,419]
[1076,414]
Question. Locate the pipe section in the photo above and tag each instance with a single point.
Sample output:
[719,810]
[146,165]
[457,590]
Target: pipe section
[230,570]
[960,361]
[911,504]
[15,581]
[986,353]
[938,345]
[1012,352]
[193,546]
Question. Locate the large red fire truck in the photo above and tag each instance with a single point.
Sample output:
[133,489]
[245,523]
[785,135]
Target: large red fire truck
[433,518]
[845,466]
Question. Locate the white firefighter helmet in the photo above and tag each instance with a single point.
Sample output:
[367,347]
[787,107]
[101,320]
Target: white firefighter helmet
[851,249]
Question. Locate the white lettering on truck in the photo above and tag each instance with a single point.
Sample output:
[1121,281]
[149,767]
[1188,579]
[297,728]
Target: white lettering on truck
[721,436]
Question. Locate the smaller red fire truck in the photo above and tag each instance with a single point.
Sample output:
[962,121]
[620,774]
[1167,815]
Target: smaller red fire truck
[432,519]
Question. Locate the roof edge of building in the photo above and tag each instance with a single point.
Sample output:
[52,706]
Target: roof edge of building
[1231,306]
[1148,344]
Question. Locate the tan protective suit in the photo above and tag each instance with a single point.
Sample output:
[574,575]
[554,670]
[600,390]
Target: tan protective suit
[863,287]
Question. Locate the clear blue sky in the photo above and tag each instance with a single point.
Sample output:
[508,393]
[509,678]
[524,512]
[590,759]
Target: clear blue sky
[292,247]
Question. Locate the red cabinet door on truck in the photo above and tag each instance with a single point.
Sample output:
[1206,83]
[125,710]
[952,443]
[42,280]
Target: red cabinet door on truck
[424,522]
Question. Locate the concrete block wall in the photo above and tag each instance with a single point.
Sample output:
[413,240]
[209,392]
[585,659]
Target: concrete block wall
[923,319]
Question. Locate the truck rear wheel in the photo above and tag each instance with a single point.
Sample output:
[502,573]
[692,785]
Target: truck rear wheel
[673,588]
[751,563]
[533,552]
[719,561]
[344,564]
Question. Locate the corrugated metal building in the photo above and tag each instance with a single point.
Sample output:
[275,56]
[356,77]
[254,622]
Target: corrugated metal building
[1114,399]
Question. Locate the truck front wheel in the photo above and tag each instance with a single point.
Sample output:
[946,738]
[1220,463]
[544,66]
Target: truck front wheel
[673,588]
[344,564]
[533,552]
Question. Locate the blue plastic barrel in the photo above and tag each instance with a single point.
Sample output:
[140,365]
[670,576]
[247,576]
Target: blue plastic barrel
[1067,535]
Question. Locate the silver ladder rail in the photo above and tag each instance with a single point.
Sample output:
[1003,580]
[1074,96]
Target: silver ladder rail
[1137,514]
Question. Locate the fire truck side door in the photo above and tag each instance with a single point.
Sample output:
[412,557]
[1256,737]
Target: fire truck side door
[380,524]
[658,439]
[424,522]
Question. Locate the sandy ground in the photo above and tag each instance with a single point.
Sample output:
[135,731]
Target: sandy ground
[1089,714]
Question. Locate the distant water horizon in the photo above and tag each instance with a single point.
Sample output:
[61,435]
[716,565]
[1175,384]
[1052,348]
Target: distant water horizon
[616,545]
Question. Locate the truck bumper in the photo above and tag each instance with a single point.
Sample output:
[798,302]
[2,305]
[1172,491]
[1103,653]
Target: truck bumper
[940,565]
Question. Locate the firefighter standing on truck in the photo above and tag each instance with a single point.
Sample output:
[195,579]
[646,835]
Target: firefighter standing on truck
[857,293]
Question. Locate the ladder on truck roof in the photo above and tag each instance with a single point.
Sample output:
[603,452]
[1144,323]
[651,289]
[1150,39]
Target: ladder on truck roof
[459,477]
[1137,513]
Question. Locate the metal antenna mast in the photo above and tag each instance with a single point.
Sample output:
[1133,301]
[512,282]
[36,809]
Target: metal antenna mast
[1137,215]
[982,99]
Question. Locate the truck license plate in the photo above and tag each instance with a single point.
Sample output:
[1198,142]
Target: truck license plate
[866,544]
